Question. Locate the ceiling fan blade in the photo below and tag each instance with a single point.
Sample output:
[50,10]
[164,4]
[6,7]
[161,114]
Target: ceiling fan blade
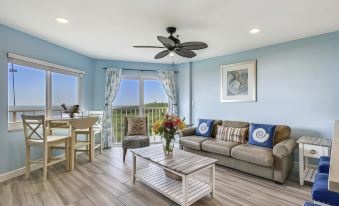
[166,41]
[193,45]
[185,53]
[149,47]
[162,54]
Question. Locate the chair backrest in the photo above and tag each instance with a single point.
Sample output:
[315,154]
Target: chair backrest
[99,115]
[32,124]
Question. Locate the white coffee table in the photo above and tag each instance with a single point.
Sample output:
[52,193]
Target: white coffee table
[182,163]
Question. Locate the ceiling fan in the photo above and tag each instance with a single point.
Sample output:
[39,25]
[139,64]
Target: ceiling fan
[173,45]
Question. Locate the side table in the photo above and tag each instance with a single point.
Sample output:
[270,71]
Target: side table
[311,147]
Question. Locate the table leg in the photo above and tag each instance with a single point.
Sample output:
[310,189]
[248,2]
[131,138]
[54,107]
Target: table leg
[71,150]
[185,190]
[212,179]
[301,164]
[91,146]
[134,168]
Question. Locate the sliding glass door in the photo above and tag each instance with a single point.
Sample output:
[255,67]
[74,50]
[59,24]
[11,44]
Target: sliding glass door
[138,96]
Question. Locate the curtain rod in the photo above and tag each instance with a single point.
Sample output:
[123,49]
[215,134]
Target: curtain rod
[141,70]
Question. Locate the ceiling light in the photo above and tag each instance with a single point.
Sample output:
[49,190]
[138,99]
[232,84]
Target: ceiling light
[254,31]
[61,20]
[171,54]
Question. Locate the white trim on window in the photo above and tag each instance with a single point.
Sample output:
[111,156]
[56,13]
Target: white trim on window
[35,63]
[49,70]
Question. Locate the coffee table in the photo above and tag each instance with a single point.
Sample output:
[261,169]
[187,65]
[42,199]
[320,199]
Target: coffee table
[181,163]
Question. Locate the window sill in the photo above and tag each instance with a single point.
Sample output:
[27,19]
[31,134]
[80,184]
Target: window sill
[15,127]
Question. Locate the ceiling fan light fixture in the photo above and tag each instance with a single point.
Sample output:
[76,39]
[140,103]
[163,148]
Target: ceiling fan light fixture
[61,20]
[254,31]
[172,54]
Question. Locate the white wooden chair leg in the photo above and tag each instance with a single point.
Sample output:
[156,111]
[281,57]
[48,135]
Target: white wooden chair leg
[101,143]
[28,161]
[87,146]
[45,161]
[67,154]
[49,153]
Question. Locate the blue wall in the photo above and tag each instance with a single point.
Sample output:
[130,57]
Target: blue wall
[297,85]
[12,148]
[100,76]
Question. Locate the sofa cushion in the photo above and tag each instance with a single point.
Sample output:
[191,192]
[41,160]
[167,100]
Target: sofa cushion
[215,128]
[262,135]
[253,154]
[219,146]
[282,132]
[232,134]
[236,124]
[204,128]
[320,190]
[193,141]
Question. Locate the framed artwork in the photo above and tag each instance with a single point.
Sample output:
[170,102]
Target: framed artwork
[238,82]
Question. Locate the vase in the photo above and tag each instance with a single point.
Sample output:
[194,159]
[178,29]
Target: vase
[168,145]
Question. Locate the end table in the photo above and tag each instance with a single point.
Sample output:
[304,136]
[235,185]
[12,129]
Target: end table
[313,147]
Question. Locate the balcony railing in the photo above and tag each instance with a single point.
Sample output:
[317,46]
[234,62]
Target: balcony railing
[152,113]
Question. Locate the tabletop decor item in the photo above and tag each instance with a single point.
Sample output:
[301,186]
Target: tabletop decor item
[71,111]
[167,129]
[238,82]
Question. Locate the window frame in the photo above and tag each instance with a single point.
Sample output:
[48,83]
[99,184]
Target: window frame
[49,70]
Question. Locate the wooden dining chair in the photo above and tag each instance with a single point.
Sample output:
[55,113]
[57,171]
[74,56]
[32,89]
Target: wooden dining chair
[97,129]
[36,135]
[79,145]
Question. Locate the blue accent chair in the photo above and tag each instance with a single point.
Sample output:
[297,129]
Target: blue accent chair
[324,164]
[320,192]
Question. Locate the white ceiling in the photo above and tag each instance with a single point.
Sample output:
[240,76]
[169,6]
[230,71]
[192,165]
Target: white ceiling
[107,29]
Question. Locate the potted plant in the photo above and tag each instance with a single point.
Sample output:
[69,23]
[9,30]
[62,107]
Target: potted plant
[167,129]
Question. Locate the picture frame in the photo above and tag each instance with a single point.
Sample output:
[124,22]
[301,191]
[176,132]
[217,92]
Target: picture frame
[239,82]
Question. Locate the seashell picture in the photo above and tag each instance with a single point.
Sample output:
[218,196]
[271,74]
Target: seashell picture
[238,82]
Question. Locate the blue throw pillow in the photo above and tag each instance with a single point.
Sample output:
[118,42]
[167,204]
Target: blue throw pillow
[262,135]
[204,128]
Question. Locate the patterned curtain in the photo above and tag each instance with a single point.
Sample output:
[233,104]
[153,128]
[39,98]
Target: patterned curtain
[167,79]
[113,77]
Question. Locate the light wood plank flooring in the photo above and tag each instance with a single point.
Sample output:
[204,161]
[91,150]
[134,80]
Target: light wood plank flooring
[107,181]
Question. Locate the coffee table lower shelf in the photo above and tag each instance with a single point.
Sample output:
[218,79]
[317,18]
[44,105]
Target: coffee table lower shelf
[155,178]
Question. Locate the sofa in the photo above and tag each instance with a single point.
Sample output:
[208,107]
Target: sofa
[274,164]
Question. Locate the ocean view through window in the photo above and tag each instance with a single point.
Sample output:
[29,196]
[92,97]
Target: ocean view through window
[139,97]
[29,93]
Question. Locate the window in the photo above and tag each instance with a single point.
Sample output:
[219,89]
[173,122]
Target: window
[64,91]
[35,88]
[138,96]
[26,91]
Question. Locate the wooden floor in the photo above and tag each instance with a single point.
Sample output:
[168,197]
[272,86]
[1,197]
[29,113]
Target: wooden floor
[107,181]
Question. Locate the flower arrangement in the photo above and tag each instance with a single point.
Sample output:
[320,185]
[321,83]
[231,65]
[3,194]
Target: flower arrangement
[167,128]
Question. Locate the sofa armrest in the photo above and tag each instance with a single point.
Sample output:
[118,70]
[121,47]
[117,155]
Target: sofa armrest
[285,148]
[188,131]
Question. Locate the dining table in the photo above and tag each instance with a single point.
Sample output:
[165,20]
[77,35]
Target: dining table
[74,124]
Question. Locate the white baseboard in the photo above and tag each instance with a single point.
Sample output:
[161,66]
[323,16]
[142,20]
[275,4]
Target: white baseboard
[16,173]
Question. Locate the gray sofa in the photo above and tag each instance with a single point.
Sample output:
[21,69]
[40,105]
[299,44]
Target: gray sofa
[274,164]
